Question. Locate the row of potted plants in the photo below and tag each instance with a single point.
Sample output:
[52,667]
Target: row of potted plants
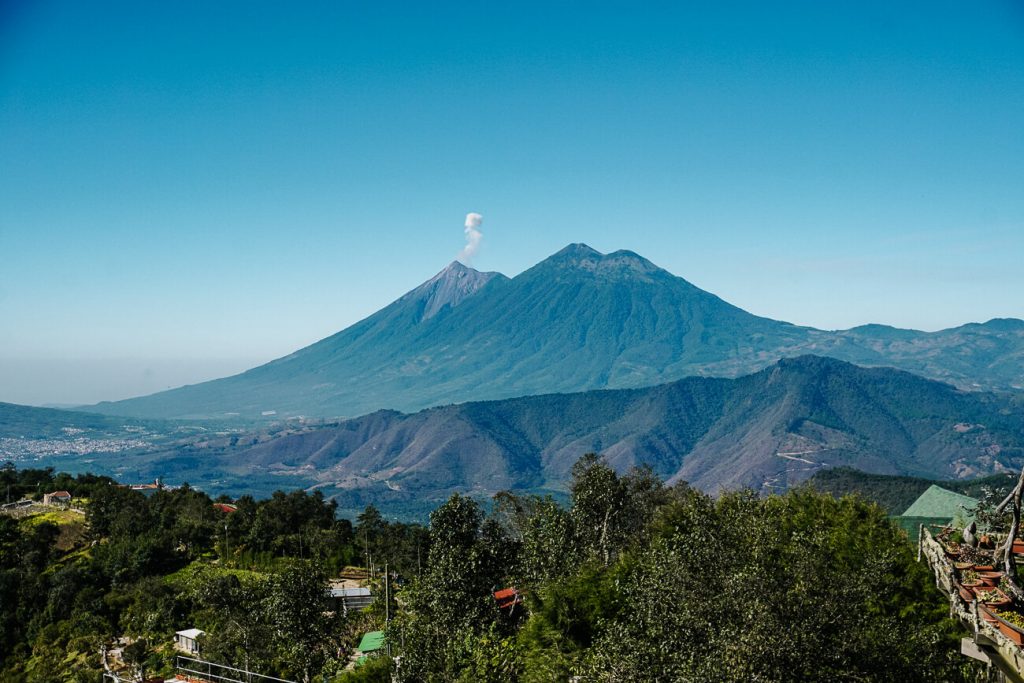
[976,578]
[956,549]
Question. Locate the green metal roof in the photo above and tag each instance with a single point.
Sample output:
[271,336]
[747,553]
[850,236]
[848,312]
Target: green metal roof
[912,525]
[939,502]
[374,640]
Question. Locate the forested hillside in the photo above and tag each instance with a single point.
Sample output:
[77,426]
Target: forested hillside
[141,567]
[633,581]
[767,431]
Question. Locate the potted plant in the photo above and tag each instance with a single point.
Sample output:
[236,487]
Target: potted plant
[988,578]
[970,579]
[1011,625]
[988,614]
[993,597]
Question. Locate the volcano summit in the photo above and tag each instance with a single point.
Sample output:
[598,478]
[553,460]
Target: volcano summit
[578,320]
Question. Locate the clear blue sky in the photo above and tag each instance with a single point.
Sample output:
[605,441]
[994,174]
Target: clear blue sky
[187,188]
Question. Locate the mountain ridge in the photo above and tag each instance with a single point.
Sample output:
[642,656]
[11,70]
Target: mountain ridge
[577,320]
[768,431]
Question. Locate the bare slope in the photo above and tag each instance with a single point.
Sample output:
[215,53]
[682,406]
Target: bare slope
[768,430]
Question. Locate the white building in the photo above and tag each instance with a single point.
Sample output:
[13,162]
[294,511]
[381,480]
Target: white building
[188,640]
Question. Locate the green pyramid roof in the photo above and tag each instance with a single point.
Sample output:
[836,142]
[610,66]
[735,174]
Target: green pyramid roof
[939,502]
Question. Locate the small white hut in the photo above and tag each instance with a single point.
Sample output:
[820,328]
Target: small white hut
[188,640]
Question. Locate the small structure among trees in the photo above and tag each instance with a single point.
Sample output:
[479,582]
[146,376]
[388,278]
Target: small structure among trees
[188,640]
[507,598]
[58,498]
[371,645]
[937,506]
[352,598]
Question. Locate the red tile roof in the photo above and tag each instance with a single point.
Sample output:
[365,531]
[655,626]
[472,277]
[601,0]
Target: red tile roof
[507,597]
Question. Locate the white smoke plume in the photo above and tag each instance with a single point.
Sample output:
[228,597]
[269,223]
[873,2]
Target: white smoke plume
[473,238]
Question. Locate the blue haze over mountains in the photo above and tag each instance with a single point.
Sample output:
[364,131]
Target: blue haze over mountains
[577,321]
[476,382]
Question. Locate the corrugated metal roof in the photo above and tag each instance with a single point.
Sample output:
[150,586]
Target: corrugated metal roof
[374,640]
[940,502]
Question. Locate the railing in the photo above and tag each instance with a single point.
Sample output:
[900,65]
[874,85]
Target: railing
[202,671]
[988,643]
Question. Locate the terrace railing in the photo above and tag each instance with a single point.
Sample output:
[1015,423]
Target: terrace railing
[201,671]
[988,643]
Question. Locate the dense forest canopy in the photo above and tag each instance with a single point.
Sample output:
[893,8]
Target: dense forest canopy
[632,580]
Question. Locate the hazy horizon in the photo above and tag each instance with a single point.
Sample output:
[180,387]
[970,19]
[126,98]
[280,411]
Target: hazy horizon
[84,381]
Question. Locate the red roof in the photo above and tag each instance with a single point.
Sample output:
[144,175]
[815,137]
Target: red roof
[225,507]
[506,597]
[59,494]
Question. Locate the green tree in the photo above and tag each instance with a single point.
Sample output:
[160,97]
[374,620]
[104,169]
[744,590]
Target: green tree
[610,512]
[136,654]
[235,616]
[794,587]
[452,602]
[299,611]
[549,548]
[115,510]
[370,527]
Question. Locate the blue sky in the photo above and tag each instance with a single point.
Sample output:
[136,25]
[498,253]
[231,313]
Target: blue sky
[189,188]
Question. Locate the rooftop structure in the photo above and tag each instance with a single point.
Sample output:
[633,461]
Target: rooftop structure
[188,640]
[203,671]
[940,503]
[371,642]
[507,598]
[352,598]
[56,498]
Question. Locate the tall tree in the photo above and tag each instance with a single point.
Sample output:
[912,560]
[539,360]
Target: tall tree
[452,601]
[797,587]
[299,611]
